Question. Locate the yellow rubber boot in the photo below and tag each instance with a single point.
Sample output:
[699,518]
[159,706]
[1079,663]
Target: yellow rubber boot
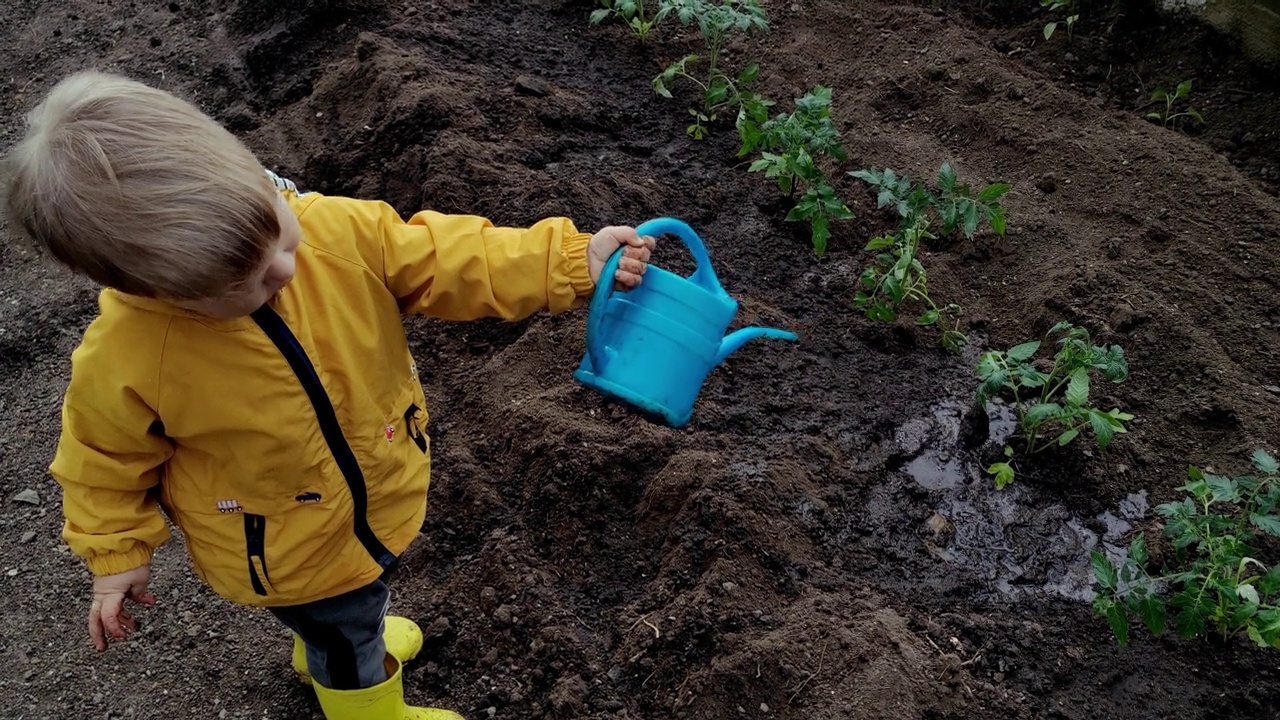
[402,636]
[380,702]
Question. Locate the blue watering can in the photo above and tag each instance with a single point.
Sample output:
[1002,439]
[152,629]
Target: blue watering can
[655,345]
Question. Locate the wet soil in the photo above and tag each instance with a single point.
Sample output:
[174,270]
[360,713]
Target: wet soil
[820,541]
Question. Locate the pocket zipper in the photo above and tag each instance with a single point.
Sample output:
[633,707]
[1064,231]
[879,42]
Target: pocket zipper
[255,537]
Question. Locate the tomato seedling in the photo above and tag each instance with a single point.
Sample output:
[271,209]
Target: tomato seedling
[896,275]
[632,14]
[790,145]
[1220,580]
[1053,408]
[715,21]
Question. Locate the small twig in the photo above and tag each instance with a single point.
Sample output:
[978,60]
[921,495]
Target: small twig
[822,656]
[636,624]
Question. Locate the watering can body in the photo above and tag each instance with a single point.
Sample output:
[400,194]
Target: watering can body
[654,346]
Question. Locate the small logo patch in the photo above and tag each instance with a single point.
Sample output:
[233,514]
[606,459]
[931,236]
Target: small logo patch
[307,497]
[391,433]
[229,506]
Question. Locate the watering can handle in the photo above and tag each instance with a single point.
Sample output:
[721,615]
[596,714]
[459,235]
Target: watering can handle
[704,276]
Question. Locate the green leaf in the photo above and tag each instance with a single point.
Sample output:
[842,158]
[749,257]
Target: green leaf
[1068,436]
[749,74]
[1119,620]
[993,383]
[928,318]
[1256,636]
[1184,88]
[598,16]
[1189,623]
[1248,593]
[993,192]
[1265,463]
[867,176]
[971,218]
[660,86]
[1138,550]
[821,233]
[895,289]
[1103,431]
[799,212]
[1224,488]
[946,178]
[881,311]
[1029,377]
[1103,570]
[1003,473]
[1152,611]
[839,211]
[1040,413]
[1195,114]
[998,221]
[1023,352]
[1048,30]
[880,243]
[1268,524]
[1078,387]
[1270,583]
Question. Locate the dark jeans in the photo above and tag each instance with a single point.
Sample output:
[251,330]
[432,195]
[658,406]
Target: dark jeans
[343,635]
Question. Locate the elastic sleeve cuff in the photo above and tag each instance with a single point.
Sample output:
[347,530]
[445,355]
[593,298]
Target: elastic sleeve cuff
[115,563]
[575,253]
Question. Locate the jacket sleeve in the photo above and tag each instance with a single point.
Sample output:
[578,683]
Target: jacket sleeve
[462,267]
[108,464]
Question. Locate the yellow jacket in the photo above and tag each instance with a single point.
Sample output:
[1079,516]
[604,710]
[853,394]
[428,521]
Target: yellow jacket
[290,446]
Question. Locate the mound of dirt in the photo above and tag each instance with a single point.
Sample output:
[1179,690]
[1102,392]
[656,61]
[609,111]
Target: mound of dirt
[820,542]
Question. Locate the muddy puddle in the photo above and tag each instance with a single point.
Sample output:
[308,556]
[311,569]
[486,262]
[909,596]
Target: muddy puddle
[1016,540]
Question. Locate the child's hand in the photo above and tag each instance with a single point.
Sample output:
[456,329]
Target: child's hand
[107,615]
[631,265]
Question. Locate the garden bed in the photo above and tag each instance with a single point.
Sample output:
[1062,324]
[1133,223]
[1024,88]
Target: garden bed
[821,541]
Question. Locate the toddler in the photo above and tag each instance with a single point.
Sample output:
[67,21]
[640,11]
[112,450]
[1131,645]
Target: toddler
[248,373]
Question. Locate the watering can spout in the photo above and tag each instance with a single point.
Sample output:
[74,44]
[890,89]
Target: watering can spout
[735,340]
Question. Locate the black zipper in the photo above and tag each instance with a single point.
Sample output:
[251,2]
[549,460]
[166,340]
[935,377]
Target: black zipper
[285,341]
[255,544]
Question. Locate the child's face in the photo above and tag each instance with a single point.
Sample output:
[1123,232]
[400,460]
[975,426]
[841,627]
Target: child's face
[275,273]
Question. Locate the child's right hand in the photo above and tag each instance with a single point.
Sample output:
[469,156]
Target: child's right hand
[107,615]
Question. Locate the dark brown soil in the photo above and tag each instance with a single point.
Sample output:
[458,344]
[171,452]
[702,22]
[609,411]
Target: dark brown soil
[816,543]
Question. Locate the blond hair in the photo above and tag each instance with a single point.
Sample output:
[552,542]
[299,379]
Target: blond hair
[140,191]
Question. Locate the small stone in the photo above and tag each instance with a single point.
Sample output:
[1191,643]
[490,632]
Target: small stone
[491,711]
[28,537]
[728,587]
[614,706]
[1273,389]
[527,85]
[28,496]
[764,707]
[438,628]
[504,615]
[13,572]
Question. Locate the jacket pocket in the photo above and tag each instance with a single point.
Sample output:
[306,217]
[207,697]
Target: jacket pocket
[255,543]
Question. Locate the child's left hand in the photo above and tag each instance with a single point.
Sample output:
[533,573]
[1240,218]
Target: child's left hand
[634,260]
